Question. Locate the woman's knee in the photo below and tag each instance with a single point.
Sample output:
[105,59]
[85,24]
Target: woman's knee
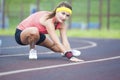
[33,31]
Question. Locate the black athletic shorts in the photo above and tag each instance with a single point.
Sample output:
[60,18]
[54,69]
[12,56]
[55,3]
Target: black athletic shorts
[18,40]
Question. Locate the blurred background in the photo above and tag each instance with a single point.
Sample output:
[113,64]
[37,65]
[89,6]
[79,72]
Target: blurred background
[90,18]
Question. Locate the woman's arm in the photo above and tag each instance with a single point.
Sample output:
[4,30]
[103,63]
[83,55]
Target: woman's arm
[63,35]
[52,33]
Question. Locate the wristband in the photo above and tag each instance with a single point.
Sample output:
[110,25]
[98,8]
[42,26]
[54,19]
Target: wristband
[68,54]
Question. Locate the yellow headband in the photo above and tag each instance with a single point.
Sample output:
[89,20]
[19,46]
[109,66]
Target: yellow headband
[64,9]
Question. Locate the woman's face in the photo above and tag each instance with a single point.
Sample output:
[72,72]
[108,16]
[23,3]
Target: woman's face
[62,16]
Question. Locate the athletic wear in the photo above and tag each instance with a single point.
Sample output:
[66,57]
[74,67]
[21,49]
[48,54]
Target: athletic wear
[33,21]
[18,40]
[17,36]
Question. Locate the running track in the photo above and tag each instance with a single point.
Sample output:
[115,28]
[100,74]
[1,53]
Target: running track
[102,61]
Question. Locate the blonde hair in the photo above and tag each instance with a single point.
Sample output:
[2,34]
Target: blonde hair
[61,4]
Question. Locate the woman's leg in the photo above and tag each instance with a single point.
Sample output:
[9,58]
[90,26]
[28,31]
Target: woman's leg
[50,44]
[30,36]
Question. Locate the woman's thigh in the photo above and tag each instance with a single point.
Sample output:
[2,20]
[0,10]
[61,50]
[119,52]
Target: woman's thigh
[25,34]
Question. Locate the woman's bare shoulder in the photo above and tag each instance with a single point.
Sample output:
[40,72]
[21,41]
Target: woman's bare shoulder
[43,19]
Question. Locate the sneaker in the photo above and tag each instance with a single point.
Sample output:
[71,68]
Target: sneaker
[33,54]
[76,53]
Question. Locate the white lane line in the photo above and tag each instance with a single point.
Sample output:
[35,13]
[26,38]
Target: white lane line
[91,44]
[14,55]
[12,47]
[56,66]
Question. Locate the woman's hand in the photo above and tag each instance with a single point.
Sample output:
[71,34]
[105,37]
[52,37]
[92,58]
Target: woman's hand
[74,59]
[71,57]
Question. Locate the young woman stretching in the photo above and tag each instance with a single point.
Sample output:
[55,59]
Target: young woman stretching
[32,31]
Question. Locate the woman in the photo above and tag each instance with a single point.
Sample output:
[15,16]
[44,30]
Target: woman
[32,30]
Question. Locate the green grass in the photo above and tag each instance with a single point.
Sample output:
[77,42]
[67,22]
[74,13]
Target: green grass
[78,33]
[94,33]
[7,32]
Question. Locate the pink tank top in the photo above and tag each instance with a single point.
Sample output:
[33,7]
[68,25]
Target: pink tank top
[33,21]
